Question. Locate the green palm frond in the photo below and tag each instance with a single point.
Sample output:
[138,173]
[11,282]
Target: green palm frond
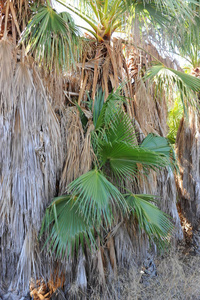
[175,7]
[157,143]
[175,115]
[103,17]
[117,145]
[182,80]
[110,109]
[161,145]
[51,36]
[96,197]
[187,37]
[152,220]
[153,12]
[66,226]
[123,158]
[98,105]
[168,79]
[120,128]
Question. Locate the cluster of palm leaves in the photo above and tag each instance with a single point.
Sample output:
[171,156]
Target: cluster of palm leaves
[185,45]
[97,198]
[94,200]
[55,39]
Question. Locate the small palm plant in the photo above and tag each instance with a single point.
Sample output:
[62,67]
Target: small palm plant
[94,200]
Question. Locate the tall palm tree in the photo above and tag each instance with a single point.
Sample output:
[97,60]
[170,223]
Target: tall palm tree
[34,139]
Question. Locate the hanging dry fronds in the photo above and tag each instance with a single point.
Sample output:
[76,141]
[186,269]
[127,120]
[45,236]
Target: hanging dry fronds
[31,157]
[78,149]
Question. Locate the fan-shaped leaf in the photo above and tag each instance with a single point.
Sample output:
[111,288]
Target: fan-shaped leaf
[156,143]
[155,223]
[110,108]
[66,226]
[123,157]
[97,197]
[161,145]
[52,37]
[181,79]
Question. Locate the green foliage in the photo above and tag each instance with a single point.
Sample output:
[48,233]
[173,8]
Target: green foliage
[52,37]
[106,16]
[153,221]
[123,158]
[109,110]
[161,145]
[93,201]
[182,80]
[98,104]
[96,196]
[187,37]
[168,79]
[174,117]
[68,227]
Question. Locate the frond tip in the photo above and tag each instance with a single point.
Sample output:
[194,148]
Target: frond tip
[153,221]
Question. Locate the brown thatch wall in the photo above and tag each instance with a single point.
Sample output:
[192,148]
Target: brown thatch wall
[188,152]
[30,164]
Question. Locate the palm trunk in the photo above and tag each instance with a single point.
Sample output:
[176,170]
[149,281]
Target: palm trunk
[187,144]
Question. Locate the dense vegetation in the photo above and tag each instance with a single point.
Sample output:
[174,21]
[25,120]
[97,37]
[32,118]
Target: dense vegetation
[81,153]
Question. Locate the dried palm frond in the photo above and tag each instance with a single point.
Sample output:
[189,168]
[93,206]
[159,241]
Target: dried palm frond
[29,260]
[150,113]
[31,157]
[7,65]
[78,158]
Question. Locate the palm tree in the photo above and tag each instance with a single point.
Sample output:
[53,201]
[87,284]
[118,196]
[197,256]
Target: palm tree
[92,201]
[33,129]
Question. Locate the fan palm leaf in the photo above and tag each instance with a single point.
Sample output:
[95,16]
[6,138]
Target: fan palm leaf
[152,220]
[66,226]
[186,85]
[182,80]
[96,197]
[52,36]
[187,38]
[105,17]
[161,145]
[121,129]
[110,109]
[123,158]
[117,146]
[157,143]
